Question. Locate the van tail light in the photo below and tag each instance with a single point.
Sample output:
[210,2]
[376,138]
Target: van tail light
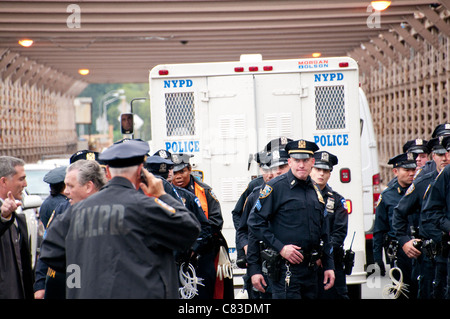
[348,202]
[376,188]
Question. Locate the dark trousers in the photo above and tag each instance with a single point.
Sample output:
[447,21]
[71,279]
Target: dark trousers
[339,289]
[426,279]
[302,285]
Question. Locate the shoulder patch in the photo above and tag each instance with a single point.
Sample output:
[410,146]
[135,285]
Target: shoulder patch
[265,191]
[410,189]
[213,195]
[164,205]
[379,200]
[417,172]
[344,204]
[426,191]
[197,201]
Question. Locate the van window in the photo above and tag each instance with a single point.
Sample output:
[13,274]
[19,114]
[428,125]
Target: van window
[330,107]
[180,114]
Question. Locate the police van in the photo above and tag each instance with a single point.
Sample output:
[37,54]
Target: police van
[222,113]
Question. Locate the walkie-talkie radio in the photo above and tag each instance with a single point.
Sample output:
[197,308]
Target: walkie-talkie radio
[349,258]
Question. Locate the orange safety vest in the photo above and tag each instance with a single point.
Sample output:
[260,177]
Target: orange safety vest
[200,193]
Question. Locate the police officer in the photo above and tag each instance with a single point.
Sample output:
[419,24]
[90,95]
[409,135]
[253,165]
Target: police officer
[336,207]
[289,217]
[217,288]
[440,130]
[168,156]
[437,208]
[120,241]
[262,159]
[83,180]
[410,205]
[160,166]
[277,160]
[404,167]
[418,146]
[55,179]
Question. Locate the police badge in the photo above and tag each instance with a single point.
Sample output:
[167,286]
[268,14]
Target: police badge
[301,144]
[330,205]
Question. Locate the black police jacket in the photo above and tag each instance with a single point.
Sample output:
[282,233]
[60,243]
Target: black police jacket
[384,211]
[437,205]
[408,210]
[292,211]
[336,207]
[120,243]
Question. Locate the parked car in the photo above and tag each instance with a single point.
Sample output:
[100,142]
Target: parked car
[35,175]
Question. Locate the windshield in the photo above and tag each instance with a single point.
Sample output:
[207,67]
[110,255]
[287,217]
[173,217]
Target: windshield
[36,184]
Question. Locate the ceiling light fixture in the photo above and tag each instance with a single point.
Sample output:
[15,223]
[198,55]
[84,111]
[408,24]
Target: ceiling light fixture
[380,5]
[83,71]
[316,54]
[26,43]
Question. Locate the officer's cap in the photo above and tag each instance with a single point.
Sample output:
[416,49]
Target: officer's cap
[276,144]
[416,146]
[158,165]
[164,154]
[128,153]
[325,160]
[301,149]
[84,155]
[263,159]
[405,160]
[436,145]
[446,142]
[181,160]
[278,158]
[56,175]
[441,129]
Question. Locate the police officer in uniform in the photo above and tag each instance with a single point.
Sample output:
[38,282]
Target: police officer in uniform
[277,160]
[267,173]
[437,211]
[121,240]
[336,207]
[50,284]
[262,159]
[440,130]
[404,167]
[160,167]
[55,179]
[218,288]
[409,205]
[290,218]
[420,147]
